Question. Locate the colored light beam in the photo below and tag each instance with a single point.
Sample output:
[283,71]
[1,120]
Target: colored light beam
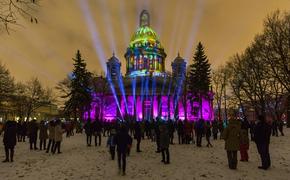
[121,86]
[124,22]
[162,91]
[108,24]
[99,50]
[179,85]
[133,80]
[176,25]
[160,10]
[199,8]
[111,84]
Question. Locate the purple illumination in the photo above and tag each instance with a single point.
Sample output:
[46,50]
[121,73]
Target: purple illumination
[144,108]
[139,108]
[155,107]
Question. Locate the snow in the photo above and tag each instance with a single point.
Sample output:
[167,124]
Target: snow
[187,162]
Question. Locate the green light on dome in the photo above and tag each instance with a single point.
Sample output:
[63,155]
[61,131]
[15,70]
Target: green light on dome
[144,35]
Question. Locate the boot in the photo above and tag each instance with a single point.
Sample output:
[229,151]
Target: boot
[6,155]
[11,155]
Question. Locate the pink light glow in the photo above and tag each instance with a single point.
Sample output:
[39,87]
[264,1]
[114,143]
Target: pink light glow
[110,108]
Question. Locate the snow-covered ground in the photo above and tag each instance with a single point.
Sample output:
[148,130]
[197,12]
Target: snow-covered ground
[187,162]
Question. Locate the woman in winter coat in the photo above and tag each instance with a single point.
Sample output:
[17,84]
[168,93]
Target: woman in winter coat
[164,143]
[58,131]
[42,135]
[231,135]
[9,139]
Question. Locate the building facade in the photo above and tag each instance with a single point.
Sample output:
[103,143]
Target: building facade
[147,91]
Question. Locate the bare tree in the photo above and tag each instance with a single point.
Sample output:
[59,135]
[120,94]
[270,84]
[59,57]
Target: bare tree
[36,96]
[11,10]
[275,99]
[274,46]
[219,85]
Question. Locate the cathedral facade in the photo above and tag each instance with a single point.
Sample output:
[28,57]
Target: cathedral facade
[147,91]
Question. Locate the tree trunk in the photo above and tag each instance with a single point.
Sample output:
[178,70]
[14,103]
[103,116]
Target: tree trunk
[288,111]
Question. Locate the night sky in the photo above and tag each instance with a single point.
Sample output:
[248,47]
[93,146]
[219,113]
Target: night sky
[99,27]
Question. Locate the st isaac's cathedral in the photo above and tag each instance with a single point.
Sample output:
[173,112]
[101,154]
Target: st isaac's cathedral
[147,90]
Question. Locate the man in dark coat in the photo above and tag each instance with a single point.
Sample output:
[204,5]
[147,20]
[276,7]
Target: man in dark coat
[123,140]
[97,129]
[157,134]
[164,143]
[171,130]
[89,131]
[199,129]
[275,128]
[262,133]
[9,139]
[19,131]
[42,135]
[138,135]
[215,129]
[32,130]
[180,132]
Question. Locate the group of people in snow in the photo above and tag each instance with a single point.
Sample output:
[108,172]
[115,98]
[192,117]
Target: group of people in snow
[121,134]
[236,138]
[17,131]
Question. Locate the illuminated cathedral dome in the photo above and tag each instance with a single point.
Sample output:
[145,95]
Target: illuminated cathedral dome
[145,55]
[143,36]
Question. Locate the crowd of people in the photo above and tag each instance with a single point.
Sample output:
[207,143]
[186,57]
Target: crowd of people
[121,134]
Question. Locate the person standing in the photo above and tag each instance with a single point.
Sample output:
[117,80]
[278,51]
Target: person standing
[51,142]
[122,142]
[33,129]
[138,135]
[244,141]
[147,129]
[111,143]
[275,128]
[280,127]
[97,130]
[187,131]
[208,133]
[171,130]
[262,133]
[180,132]
[9,139]
[215,129]
[19,130]
[252,127]
[58,131]
[164,143]
[89,132]
[157,134]
[42,135]
[221,127]
[199,129]
[231,135]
